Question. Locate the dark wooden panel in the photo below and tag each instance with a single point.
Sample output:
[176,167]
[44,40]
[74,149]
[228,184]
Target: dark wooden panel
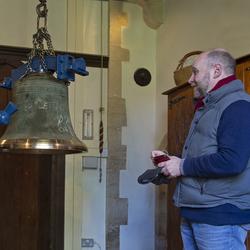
[243,73]
[21,53]
[32,202]
[180,113]
[161,208]
[21,200]
[57,202]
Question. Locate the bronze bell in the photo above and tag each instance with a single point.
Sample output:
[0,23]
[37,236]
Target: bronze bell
[42,123]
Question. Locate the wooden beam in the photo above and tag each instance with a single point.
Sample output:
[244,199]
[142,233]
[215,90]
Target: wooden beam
[95,61]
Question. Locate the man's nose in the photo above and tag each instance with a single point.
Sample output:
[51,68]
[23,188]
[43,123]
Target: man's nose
[191,80]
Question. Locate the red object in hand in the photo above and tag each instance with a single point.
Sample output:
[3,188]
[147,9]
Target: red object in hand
[160,158]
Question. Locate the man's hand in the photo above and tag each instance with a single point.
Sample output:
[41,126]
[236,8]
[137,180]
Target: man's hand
[172,167]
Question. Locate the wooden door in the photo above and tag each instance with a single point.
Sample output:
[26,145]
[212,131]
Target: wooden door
[243,73]
[180,113]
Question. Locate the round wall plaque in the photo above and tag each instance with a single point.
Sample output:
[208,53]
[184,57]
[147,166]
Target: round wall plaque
[142,77]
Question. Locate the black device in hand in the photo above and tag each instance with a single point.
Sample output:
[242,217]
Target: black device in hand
[153,175]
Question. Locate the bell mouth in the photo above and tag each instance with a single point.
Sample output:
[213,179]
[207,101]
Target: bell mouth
[41,146]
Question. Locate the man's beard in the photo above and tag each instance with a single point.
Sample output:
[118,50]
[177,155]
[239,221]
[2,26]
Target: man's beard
[197,93]
[201,91]
[202,87]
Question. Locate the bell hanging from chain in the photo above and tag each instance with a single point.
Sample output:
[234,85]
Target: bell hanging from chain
[42,123]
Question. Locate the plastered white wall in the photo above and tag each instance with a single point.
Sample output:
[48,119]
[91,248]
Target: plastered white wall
[139,134]
[18,22]
[85,196]
[85,200]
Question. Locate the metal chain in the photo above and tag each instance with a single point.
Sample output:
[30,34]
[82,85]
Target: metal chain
[42,11]
[42,34]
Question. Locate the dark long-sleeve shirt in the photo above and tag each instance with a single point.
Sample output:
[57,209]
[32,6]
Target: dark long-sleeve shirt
[233,138]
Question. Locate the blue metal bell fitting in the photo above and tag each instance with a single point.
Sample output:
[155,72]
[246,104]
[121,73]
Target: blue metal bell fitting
[6,113]
[7,83]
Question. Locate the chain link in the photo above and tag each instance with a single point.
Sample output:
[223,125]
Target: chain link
[42,34]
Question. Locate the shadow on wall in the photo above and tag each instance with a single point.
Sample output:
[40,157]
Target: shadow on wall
[152,11]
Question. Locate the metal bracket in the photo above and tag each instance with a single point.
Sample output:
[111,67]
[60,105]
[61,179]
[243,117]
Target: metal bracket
[6,113]
[66,66]
[7,83]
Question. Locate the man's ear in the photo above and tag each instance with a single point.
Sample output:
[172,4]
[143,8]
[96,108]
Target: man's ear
[217,70]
